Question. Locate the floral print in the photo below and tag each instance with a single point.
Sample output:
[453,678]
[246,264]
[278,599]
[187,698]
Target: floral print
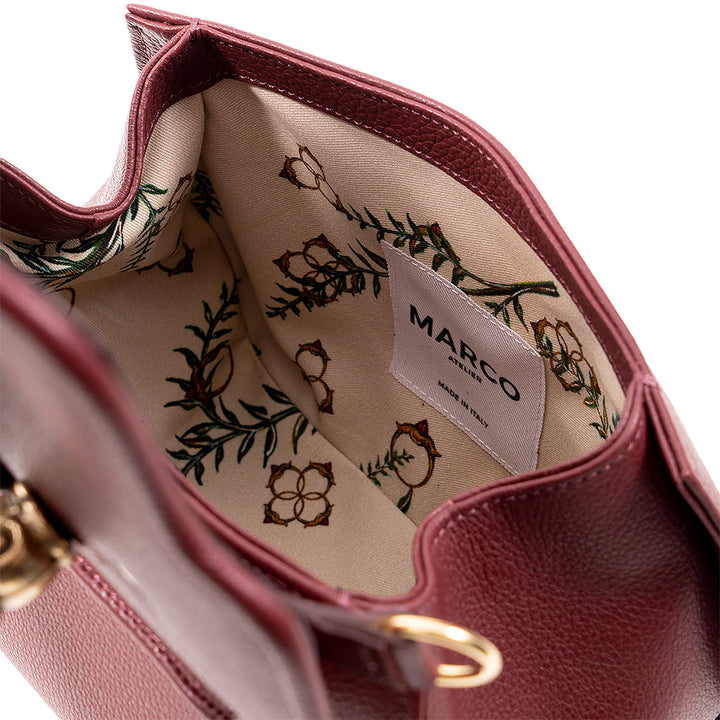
[211,370]
[319,280]
[183,265]
[203,197]
[326,275]
[316,349]
[560,345]
[307,173]
[59,263]
[300,495]
[396,459]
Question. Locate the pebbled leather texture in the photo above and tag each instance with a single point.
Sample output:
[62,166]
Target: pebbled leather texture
[601,575]
[61,403]
[105,666]
[204,53]
[598,579]
[148,37]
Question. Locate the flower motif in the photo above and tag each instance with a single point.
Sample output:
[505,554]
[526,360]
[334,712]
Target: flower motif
[420,435]
[283,262]
[185,264]
[329,273]
[564,354]
[311,172]
[316,349]
[562,348]
[307,173]
[298,500]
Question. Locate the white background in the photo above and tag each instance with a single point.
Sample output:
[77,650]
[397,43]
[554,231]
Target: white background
[611,108]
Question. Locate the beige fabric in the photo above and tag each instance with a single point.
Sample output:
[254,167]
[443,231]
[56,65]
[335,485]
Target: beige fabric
[464,362]
[308,496]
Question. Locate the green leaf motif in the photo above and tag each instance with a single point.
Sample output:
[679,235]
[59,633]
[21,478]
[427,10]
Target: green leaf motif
[404,502]
[329,274]
[567,365]
[203,197]
[386,466]
[57,264]
[211,370]
[301,425]
[321,285]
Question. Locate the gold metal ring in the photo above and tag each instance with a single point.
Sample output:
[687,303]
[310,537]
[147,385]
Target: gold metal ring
[487,658]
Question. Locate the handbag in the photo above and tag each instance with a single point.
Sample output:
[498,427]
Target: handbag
[314,411]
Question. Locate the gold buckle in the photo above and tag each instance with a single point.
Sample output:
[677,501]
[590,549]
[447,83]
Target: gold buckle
[487,658]
[31,551]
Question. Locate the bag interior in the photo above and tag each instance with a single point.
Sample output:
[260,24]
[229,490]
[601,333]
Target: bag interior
[244,298]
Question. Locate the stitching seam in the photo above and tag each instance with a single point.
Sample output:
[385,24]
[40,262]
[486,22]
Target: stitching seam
[559,487]
[191,686]
[416,151]
[393,138]
[416,389]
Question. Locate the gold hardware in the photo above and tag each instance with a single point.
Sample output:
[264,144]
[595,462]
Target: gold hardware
[487,658]
[31,552]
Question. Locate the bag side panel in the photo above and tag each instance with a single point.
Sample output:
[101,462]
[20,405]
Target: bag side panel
[90,656]
[599,586]
[71,436]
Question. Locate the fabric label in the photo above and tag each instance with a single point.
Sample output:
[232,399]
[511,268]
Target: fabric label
[466,363]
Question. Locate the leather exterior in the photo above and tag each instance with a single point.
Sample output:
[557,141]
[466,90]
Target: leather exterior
[600,574]
[148,36]
[105,666]
[597,579]
[70,433]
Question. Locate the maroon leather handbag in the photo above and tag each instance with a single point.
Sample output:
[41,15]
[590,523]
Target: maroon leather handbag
[315,412]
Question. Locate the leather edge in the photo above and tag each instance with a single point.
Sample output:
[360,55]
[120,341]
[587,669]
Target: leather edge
[70,346]
[686,468]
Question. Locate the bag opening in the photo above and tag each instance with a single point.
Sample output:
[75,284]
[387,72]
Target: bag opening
[245,297]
